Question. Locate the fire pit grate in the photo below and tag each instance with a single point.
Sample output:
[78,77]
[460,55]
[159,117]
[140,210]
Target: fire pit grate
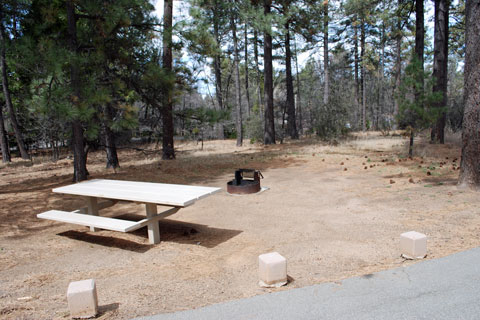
[246,181]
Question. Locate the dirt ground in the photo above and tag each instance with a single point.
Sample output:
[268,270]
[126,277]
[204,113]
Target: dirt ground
[334,211]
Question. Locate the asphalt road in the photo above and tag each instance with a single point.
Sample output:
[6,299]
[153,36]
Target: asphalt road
[445,288]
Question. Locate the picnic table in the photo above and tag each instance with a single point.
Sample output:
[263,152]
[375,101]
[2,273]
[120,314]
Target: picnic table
[103,193]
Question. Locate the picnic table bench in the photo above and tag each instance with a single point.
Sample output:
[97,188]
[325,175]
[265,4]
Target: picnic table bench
[111,192]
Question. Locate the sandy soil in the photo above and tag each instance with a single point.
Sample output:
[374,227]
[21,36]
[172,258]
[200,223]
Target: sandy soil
[332,211]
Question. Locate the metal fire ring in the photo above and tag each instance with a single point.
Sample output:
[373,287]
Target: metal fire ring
[246,181]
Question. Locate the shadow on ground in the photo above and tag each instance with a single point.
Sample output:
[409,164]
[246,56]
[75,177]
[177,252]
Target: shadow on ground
[170,231]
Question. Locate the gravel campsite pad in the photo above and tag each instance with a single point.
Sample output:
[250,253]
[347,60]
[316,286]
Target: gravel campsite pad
[333,210]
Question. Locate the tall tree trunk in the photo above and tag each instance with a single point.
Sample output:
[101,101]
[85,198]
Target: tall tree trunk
[398,63]
[6,93]
[3,140]
[247,93]
[110,146]
[238,96]
[292,122]
[168,151]
[419,45]
[398,74]
[217,59]
[356,62]
[470,163]
[440,66]
[326,89]
[79,156]
[257,69]
[299,99]
[381,100]
[410,145]
[362,75]
[419,31]
[269,133]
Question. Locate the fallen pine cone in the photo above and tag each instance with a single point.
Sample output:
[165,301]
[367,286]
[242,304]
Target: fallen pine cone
[345,169]
[391,181]
[411,180]
[341,164]
[365,167]
[429,173]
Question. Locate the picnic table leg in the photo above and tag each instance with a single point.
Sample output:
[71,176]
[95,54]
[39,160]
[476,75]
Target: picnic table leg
[92,205]
[153,228]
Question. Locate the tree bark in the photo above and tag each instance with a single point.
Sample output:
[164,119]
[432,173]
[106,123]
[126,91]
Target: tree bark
[419,31]
[398,64]
[257,69]
[6,93]
[362,75]
[217,59]
[356,62]
[292,122]
[238,96]
[168,151]
[269,133]
[3,140]
[326,89]
[440,66]
[247,93]
[419,47]
[79,157]
[381,72]
[410,145]
[470,163]
[110,146]
[299,96]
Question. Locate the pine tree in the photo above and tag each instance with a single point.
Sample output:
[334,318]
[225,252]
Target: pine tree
[269,133]
[6,9]
[470,163]
[440,65]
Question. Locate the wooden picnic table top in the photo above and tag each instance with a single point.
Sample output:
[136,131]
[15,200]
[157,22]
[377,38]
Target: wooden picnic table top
[175,195]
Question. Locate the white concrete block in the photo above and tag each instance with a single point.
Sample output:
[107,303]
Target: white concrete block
[413,245]
[82,299]
[272,269]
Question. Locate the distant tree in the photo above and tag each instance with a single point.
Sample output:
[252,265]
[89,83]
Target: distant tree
[419,50]
[326,88]
[290,101]
[416,101]
[398,34]
[236,71]
[470,163]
